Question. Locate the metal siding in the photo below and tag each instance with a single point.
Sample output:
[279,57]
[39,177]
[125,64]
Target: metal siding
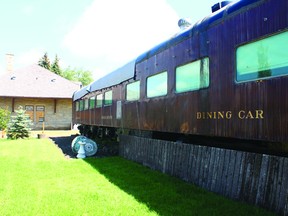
[176,113]
[217,38]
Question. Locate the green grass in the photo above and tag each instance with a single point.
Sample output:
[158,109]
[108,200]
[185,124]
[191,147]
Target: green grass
[36,179]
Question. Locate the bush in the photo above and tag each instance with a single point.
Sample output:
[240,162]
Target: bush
[19,125]
[4,118]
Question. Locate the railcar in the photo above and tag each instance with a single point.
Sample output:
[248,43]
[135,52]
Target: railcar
[223,77]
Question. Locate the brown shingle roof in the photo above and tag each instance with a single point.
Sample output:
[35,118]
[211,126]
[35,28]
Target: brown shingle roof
[35,81]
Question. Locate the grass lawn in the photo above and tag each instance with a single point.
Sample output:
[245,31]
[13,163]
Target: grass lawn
[36,179]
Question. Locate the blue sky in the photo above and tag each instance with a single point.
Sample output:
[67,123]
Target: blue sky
[96,35]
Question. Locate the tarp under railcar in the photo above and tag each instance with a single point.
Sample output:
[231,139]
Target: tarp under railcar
[116,77]
[81,93]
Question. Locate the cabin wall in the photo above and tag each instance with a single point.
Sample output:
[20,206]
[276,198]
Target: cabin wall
[55,113]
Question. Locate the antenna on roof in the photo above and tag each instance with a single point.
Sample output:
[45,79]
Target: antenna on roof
[184,23]
[219,5]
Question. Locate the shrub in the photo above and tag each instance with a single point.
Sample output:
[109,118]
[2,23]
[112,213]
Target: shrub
[4,118]
[19,125]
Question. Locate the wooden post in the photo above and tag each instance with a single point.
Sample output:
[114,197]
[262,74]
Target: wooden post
[13,104]
[43,126]
[55,105]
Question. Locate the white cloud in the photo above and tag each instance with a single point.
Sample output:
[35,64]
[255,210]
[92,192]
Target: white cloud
[30,57]
[114,32]
[28,10]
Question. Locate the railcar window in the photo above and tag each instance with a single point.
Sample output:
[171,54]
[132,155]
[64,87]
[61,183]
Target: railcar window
[192,76]
[157,85]
[86,104]
[81,105]
[133,91]
[108,98]
[77,106]
[91,102]
[99,100]
[263,59]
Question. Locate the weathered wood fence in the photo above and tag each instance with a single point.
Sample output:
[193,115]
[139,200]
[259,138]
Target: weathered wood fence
[258,179]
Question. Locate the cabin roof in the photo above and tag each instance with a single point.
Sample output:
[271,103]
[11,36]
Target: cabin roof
[35,81]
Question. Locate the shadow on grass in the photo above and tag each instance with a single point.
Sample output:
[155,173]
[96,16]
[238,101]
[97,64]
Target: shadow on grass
[164,194]
[64,143]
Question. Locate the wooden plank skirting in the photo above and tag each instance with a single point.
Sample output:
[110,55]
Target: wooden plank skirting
[258,179]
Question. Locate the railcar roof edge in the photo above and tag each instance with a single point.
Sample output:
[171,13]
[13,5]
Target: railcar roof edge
[80,93]
[127,71]
[198,27]
[116,77]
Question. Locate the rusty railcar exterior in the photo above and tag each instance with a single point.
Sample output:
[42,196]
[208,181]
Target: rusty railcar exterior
[229,99]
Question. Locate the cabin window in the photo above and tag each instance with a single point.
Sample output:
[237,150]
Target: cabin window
[91,102]
[40,113]
[133,91]
[108,98]
[157,85]
[86,104]
[30,112]
[264,58]
[99,100]
[192,76]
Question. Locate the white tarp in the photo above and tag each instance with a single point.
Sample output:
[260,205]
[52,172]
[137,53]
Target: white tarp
[114,78]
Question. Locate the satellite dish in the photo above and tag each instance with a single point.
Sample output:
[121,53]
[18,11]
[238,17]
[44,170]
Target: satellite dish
[90,146]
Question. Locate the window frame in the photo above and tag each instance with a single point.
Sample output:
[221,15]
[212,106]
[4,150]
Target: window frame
[81,105]
[155,75]
[99,105]
[105,103]
[207,82]
[92,102]
[249,43]
[77,106]
[137,92]
[86,103]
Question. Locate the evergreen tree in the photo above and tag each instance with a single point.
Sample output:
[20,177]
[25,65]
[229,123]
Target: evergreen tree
[55,66]
[45,62]
[19,125]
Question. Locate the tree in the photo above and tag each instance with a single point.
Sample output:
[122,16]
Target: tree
[55,66]
[4,118]
[80,75]
[76,74]
[19,125]
[45,62]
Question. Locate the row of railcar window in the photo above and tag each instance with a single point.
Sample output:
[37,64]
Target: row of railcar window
[189,77]
[261,59]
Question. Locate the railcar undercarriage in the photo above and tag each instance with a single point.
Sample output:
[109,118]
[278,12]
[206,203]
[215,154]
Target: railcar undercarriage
[110,133]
